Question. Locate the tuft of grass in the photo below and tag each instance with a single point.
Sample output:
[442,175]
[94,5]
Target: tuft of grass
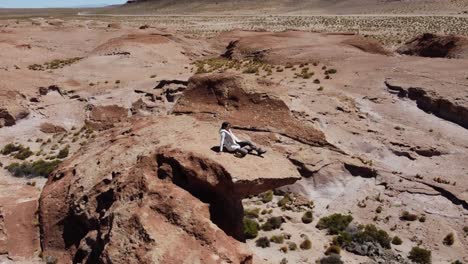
[277,239]
[334,223]
[266,197]
[286,200]
[407,216]
[449,240]
[420,255]
[306,244]
[262,242]
[272,223]
[308,217]
[250,228]
[332,259]
[333,249]
[397,241]
[292,246]
[63,153]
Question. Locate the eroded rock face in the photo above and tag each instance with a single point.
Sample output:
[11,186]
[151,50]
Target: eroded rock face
[150,188]
[436,46]
[230,97]
[51,128]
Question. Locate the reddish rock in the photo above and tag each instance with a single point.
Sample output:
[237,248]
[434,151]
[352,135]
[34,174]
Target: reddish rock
[51,129]
[131,198]
[104,117]
[436,46]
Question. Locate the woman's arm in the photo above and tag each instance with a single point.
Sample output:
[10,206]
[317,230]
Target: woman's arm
[221,144]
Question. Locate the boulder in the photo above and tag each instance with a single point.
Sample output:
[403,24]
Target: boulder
[105,117]
[12,108]
[436,46]
[49,128]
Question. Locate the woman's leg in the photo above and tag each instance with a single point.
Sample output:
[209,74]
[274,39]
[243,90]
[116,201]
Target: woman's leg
[242,151]
[252,146]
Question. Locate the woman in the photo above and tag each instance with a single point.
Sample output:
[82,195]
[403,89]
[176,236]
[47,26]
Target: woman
[232,144]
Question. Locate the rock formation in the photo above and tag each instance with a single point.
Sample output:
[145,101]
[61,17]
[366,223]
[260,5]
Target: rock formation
[436,46]
[142,191]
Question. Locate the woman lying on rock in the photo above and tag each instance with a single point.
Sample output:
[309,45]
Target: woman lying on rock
[232,144]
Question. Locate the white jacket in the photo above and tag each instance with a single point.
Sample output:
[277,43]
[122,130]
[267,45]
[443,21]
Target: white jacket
[228,140]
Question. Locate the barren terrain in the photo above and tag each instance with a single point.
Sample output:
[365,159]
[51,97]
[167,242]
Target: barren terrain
[109,127]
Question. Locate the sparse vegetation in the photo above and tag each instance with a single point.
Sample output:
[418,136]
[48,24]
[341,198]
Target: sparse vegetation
[420,255]
[334,223]
[250,228]
[330,71]
[54,64]
[17,151]
[262,242]
[37,168]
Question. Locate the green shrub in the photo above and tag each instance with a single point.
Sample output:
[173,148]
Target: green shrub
[252,213]
[344,238]
[420,255]
[277,239]
[63,153]
[332,259]
[250,228]
[407,216]
[37,168]
[397,241]
[284,201]
[457,262]
[308,217]
[333,249]
[371,233]
[272,223]
[335,223]
[292,246]
[23,154]
[449,239]
[306,244]
[262,242]
[10,148]
[266,197]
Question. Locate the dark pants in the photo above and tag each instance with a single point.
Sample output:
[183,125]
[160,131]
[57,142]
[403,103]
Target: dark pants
[245,147]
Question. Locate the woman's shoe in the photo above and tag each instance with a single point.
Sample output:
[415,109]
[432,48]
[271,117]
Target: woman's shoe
[261,151]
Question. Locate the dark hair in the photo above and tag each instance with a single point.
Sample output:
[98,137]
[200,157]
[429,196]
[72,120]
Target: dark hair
[225,125]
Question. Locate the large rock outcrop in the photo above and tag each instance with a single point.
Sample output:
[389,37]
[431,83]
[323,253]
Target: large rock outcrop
[436,46]
[246,104]
[154,192]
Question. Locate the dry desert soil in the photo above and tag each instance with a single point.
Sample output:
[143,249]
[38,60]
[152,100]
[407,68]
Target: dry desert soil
[109,123]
